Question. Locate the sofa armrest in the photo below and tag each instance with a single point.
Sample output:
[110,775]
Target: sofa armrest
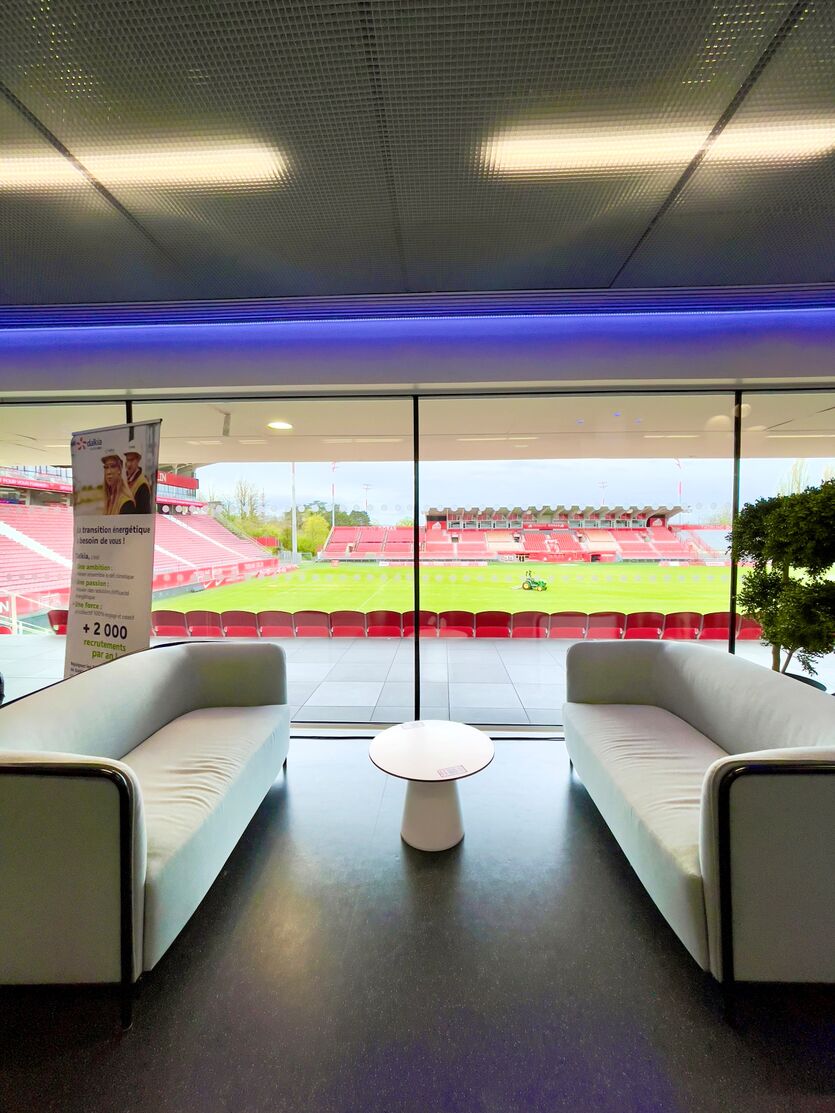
[767,850]
[72,869]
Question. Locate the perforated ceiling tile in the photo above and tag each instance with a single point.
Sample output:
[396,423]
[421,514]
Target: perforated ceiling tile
[316,147]
[761,206]
[69,244]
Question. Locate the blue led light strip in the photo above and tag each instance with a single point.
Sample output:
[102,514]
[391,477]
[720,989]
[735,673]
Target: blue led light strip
[407,306]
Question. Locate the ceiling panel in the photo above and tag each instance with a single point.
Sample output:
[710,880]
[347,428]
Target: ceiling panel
[69,244]
[326,147]
[743,219]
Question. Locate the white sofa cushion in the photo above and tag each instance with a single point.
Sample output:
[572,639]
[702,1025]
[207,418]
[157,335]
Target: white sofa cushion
[739,705]
[109,710]
[202,778]
[644,768]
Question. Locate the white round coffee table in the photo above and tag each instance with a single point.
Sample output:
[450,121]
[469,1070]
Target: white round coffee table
[432,755]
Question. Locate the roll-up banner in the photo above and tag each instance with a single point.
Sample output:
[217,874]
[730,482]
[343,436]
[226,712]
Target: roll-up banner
[114,473]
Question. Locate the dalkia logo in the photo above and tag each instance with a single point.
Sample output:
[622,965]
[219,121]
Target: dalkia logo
[87,442]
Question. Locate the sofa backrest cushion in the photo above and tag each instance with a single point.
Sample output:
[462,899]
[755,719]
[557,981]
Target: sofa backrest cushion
[738,705]
[109,710]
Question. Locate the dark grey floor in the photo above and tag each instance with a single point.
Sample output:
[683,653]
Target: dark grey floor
[333,968]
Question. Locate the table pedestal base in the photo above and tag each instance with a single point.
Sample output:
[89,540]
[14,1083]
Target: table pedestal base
[432,815]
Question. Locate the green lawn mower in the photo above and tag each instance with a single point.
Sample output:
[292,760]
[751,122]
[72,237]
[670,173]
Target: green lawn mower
[531,584]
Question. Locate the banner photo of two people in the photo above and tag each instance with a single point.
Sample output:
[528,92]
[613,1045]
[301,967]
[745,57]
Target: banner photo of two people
[114,502]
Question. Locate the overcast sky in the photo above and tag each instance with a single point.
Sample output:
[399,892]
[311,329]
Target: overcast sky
[705,484]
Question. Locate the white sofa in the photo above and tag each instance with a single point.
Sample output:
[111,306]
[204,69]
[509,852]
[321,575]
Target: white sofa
[717,778]
[122,793]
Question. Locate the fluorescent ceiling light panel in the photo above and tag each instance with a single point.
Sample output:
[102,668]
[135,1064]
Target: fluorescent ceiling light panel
[377,440]
[671,436]
[163,166]
[799,436]
[564,152]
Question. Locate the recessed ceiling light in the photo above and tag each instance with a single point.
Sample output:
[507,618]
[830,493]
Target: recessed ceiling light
[279,425]
[377,440]
[164,165]
[252,440]
[671,436]
[800,436]
[481,438]
[338,440]
[62,444]
[563,151]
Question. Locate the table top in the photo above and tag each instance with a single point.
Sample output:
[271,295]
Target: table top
[431,750]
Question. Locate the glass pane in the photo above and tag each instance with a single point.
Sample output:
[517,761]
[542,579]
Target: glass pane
[330,582]
[36,536]
[547,519]
[788,445]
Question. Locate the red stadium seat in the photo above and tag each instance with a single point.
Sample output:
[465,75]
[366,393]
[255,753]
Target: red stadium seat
[492,624]
[239,624]
[682,626]
[530,624]
[347,624]
[456,624]
[204,624]
[606,624]
[385,624]
[748,629]
[169,624]
[716,626]
[5,630]
[644,624]
[569,624]
[57,620]
[275,624]
[311,624]
[428,624]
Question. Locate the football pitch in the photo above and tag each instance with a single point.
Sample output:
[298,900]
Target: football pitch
[581,587]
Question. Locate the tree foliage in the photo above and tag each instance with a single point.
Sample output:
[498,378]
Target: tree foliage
[789,541]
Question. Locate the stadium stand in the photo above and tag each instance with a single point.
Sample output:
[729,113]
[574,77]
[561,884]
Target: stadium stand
[483,624]
[682,626]
[428,622]
[57,621]
[239,624]
[275,624]
[456,624]
[204,624]
[530,624]
[568,624]
[311,624]
[347,624]
[606,624]
[644,624]
[169,624]
[716,626]
[492,624]
[384,624]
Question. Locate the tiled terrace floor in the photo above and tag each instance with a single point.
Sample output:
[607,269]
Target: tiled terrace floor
[502,682]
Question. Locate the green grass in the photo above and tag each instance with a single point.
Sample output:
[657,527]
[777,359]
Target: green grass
[581,587]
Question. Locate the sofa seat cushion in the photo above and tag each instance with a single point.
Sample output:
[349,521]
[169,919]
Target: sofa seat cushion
[644,769]
[202,778]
